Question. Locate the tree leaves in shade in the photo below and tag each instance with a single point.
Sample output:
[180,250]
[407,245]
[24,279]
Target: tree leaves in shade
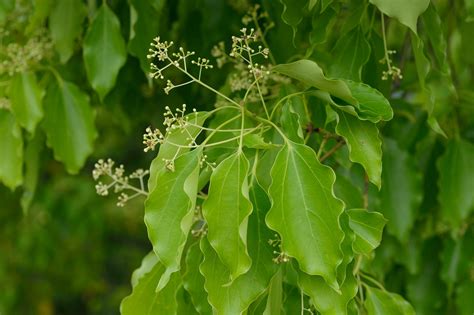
[292,13]
[368,228]
[69,124]
[401,193]
[144,299]
[11,157]
[405,11]
[309,72]
[33,151]
[365,147]
[226,211]
[235,298]
[380,302]
[65,22]
[193,280]
[275,295]
[26,97]
[104,50]
[169,150]
[464,300]
[305,211]
[351,53]
[324,298]
[456,182]
[169,211]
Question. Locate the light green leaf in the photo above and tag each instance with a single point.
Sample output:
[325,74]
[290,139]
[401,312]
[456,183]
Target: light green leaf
[65,25]
[373,106]
[275,295]
[456,182]
[69,124]
[290,123]
[305,211]
[148,262]
[11,158]
[256,141]
[144,299]
[42,8]
[351,53]
[324,298]
[144,26]
[6,6]
[405,11]
[169,211]
[34,147]
[193,280]
[104,50]
[26,96]
[235,298]
[365,146]
[380,302]
[168,150]
[368,227]
[310,73]
[226,211]
[401,192]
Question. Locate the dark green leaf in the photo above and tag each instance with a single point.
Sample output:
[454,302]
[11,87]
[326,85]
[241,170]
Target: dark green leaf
[464,300]
[11,158]
[104,50]
[292,13]
[34,147]
[380,302]
[275,295]
[26,96]
[305,211]
[69,124]
[368,227]
[290,122]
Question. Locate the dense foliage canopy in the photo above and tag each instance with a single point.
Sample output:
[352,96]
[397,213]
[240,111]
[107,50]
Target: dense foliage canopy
[301,156]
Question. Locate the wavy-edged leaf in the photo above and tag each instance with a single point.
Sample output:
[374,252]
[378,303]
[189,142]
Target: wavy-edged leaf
[275,295]
[144,26]
[168,150]
[104,50]
[33,151]
[235,298]
[226,211]
[368,227]
[456,182]
[65,25]
[345,190]
[305,211]
[401,193]
[26,97]
[144,299]
[169,211]
[290,123]
[380,302]
[193,280]
[309,72]
[372,105]
[351,53]
[321,22]
[365,146]
[292,13]
[324,298]
[11,157]
[69,124]
[405,11]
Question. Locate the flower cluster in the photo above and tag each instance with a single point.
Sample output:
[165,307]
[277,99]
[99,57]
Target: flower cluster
[151,138]
[281,257]
[118,181]
[392,71]
[5,103]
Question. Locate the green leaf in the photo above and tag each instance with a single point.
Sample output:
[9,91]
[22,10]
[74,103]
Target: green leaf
[321,23]
[144,299]
[33,151]
[380,302]
[405,11]
[42,8]
[65,25]
[292,13]
[373,106]
[193,280]
[456,180]
[401,192]
[226,211]
[345,190]
[11,158]
[351,53]
[290,123]
[26,96]
[275,295]
[169,151]
[169,211]
[324,298]
[310,73]
[368,228]
[148,262]
[305,211]
[104,50]
[69,124]
[464,300]
[144,25]
[365,146]
[256,141]
[6,6]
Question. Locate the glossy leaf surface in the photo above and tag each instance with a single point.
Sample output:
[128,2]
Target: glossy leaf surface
[11,157]
[368,227]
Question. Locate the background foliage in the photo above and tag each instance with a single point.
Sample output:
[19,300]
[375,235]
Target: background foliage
[74,88]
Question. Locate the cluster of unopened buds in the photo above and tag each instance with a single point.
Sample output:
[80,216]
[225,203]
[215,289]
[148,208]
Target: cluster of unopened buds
[200,228]
[117,180]
[151,138]
[392,71]
[281,257]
